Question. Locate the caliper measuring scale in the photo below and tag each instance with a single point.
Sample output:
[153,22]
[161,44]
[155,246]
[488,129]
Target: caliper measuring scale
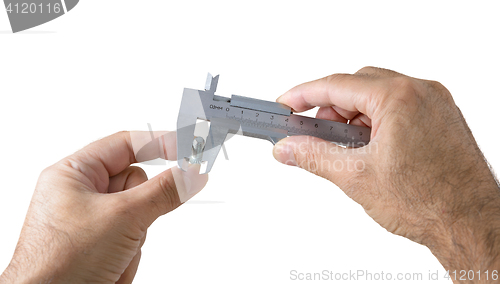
[250,117]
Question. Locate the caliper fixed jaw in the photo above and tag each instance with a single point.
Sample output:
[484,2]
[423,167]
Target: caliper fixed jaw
[195,105]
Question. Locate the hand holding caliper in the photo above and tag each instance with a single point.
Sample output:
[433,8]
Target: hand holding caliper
[422,176]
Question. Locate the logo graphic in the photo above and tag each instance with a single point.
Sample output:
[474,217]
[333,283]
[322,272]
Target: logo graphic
[26,14]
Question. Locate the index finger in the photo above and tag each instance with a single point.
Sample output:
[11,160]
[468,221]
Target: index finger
[111,155]
[349,92]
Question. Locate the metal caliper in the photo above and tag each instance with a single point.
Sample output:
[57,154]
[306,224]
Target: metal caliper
[248,117]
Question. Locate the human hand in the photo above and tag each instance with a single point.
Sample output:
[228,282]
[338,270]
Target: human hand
[422,176]
[89,214]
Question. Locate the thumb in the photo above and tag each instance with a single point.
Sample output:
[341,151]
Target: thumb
[165,192]
[320,157]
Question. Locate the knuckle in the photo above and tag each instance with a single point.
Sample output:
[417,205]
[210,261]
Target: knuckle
[378,72]
[170,197]
[439,90]
[331,79]
[122,133]
[436,85]
[309,161]
[404,85]
[410,93]
[47,171]
[45,176]
[413,94]
[405,91]
[367,70]
[137,172]
[119,134]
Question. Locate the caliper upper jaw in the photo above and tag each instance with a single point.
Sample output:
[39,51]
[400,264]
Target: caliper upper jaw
[211,84]
[191,110]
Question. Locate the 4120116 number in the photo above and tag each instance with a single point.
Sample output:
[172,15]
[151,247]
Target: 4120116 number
[33,8]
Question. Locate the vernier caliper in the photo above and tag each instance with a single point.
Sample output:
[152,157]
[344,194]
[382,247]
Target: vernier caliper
[248,117]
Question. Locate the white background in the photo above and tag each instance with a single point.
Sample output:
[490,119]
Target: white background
[116,65]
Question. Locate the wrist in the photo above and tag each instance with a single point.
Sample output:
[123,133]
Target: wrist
[24,273]
[18,274]
[34,262]
[470,239]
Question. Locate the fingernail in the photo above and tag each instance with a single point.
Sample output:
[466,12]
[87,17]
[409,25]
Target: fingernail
[283,153]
